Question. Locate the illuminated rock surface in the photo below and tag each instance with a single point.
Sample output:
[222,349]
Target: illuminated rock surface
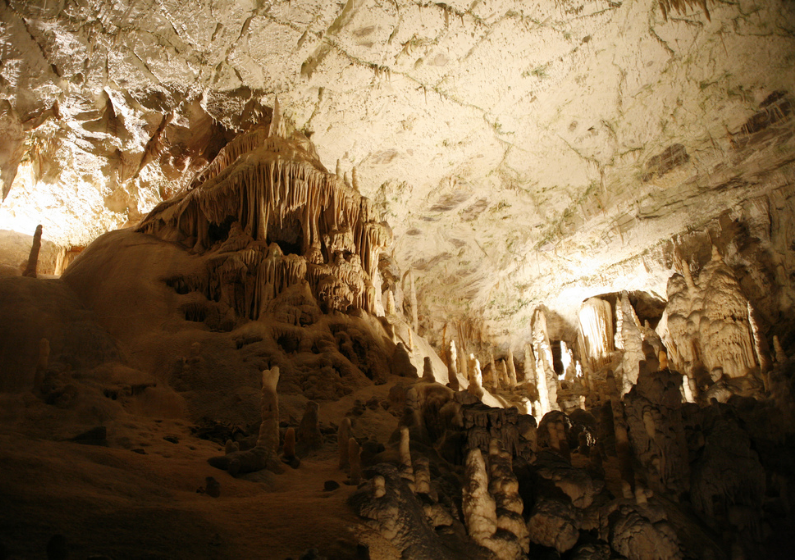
[542,306]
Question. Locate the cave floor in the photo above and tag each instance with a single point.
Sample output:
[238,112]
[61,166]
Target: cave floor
[119,503]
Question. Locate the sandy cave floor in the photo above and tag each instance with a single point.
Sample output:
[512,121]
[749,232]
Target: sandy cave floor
[116,502]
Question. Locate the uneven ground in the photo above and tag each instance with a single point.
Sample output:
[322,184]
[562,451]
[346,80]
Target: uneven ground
[120,503]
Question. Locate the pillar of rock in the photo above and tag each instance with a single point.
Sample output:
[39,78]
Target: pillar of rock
[269,408]
[511,370]
[452,370]
[33,259]
[545,373]
[529,365]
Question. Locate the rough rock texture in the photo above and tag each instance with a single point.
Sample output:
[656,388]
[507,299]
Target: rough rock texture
[552,144]
[637,538]
[388,505]
[553,523]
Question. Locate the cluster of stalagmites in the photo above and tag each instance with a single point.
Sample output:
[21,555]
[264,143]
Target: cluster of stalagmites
[267,215]
[687,456]
[655,468]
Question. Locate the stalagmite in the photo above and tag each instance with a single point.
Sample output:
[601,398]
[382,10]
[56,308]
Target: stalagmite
[427,370]
[355,180]
[492,380]
[476,379]
[623,450]
[687,392]
[422,476]
[463,362]
[338,171]
[406,469]
[288,448]
[269,409]
[308,435]
[355,461]
[529,365]
[511,370]
[545,373]
[567,360]
[479,507]
[663,358]
[632,343]
[505,381]
[390,303]
[504,486]
[494,524]
[277,126]
[343,435]
[415,322]
[452,371]
[379,486]
[33,259]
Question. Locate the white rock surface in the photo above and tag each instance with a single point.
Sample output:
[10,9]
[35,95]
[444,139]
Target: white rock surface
[519,150]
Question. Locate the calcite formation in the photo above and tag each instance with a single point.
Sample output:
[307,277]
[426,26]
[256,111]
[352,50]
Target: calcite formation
[709,331]
[272,216]
[548,168]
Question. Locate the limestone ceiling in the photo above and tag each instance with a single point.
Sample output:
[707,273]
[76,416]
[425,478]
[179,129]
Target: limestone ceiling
[517,148]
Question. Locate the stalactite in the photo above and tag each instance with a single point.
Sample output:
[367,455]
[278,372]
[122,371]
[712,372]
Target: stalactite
[263,180]
[596,325]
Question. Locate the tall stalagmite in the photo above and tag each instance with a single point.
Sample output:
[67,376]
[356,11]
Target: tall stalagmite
[33,259]
[269,409]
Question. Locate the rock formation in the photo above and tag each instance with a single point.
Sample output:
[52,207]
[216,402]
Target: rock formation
[545,371]
[269,409]
[33,259]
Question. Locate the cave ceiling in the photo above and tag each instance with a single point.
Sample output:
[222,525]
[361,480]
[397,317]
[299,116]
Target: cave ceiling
[523,152]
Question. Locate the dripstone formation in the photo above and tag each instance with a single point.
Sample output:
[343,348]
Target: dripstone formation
[250,323]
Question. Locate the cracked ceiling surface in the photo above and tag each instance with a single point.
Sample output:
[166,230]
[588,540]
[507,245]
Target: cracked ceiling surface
[523,152]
